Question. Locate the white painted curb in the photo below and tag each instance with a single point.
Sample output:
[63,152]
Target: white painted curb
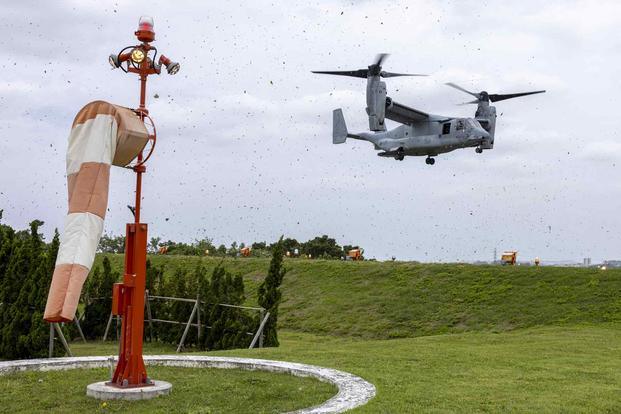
[353,391]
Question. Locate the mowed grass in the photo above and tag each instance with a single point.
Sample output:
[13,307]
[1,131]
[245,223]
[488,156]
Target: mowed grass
[382,300]
[443,338]
[569,369]
[194,391]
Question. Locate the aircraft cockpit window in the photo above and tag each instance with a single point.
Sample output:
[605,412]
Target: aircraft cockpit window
[446,128]
[460,125]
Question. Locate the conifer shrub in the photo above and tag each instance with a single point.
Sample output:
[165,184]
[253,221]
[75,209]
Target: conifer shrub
[270,293]
[26,267]
[97,300]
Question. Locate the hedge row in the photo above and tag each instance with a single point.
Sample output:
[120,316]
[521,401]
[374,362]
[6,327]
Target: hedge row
[26,267]
[222,327]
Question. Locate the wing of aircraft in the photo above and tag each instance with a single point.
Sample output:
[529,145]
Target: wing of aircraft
[404,114]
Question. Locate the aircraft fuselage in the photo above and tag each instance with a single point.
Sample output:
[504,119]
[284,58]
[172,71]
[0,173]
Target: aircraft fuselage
[436,136]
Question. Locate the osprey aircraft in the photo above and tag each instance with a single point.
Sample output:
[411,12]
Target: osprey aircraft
[421,134]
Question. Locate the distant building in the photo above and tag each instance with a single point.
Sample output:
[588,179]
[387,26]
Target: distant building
[586,262]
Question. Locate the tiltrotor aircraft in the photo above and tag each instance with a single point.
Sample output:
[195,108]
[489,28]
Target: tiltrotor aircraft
[421,134]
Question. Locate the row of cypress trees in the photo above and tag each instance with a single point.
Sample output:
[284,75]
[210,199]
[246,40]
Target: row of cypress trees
[26,267]
[97,300]
[223,327]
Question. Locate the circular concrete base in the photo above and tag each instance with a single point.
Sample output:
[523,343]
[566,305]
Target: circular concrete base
[102,391]
[353,391]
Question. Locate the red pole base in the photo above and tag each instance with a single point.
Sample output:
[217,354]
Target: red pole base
[128,301]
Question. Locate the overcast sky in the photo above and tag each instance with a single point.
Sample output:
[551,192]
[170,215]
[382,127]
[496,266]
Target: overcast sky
[244,130]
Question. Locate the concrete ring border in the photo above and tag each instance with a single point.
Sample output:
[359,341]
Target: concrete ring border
[353,391]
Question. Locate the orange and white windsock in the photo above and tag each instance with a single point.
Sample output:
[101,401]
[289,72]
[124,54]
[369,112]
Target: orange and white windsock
[102,135]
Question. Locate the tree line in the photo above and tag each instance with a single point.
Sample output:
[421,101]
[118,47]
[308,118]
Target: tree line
[320,247]
[27,264]
[223,327]
[26,267]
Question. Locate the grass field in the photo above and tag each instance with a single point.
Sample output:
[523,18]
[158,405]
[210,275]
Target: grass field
[444,338]
[545,370]
[383,300]
[194,391]
[570,369]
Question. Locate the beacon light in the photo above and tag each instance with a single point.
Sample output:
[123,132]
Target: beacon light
[145,31]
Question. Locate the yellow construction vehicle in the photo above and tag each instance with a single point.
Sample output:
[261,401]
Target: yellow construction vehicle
[509,258]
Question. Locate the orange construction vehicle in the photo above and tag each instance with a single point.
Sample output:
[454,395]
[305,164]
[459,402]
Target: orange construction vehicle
[355,254]
[162,250]
[244,252]
[509,258]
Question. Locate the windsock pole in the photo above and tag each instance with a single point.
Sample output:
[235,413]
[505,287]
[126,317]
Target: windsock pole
[128,297]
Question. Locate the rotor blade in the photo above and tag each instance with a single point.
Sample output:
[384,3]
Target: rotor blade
[476,101]
[452,85]
[501,97]
[393,75]
[381,57]
[360,73]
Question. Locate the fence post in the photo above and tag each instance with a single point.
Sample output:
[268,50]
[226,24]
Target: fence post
[187,327]
[107,328]
[51,351]
[77,323]
[111,367]
[148,305]
[198,316]
[261,337]
[259,331]
[62,338]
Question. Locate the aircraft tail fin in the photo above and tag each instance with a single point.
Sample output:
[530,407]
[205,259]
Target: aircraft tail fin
[339,129]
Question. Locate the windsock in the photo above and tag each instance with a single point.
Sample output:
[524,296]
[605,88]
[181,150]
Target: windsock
[102,135]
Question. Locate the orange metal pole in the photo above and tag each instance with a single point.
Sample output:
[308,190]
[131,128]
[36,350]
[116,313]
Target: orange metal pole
[128,296]
[130,370]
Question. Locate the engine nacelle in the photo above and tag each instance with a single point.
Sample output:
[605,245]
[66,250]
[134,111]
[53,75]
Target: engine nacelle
[376,103]
[487,119]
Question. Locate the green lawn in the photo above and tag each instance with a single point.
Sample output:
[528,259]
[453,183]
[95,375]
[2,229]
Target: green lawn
[383,300]
[441,338]
[569,369]
[194,391]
